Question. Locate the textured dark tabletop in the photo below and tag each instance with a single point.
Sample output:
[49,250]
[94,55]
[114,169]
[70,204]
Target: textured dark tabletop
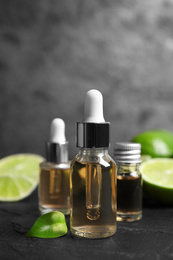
[149,238]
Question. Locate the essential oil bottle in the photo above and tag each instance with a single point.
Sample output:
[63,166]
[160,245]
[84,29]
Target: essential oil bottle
[54,182]
[129,181]
[93,175]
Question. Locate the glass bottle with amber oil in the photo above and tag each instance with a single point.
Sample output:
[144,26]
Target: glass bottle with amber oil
[129,181]
[54,182]
[93,175]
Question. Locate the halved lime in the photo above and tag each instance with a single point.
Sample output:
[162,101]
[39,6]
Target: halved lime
[158,179]
[145,158]
[19,174]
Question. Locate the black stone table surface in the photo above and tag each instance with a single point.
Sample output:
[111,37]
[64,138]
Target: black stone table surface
[149,238]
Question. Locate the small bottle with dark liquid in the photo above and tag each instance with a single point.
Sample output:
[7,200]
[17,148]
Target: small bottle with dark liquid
[129,181]
[54,182]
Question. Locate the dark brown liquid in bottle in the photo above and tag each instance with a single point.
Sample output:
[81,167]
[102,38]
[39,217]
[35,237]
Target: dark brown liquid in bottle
[129,195]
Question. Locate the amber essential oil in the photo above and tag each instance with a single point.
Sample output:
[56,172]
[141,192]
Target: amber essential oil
[54,187]
[93,174]
[93,198]
[54,179]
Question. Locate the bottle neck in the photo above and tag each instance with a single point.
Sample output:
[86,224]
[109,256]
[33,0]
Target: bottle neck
[88,151]
[95,155]
[127,167]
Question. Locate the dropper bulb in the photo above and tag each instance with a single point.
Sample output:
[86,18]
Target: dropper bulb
[93,107]
[57,131]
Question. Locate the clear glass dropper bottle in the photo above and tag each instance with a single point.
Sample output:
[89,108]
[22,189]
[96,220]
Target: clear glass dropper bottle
[93,175]
[54,182]
[129,181]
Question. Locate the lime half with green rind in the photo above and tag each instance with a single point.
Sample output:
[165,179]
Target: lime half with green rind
[19,174]
[145,157]
[157,177]
[156,143]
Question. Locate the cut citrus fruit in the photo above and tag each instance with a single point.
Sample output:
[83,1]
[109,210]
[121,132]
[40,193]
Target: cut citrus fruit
[18,176]
[158,179]
[156,143]
[145,158]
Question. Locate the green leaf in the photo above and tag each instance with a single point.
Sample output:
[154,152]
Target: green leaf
[49,225]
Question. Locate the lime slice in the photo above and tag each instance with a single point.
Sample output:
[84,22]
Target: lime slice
[18,176]
[158,179]
[145,158]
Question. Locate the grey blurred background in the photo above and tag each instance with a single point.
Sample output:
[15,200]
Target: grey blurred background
[53,51]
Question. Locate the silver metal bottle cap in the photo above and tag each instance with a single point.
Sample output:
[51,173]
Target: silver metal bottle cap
[57,153]
[127,152]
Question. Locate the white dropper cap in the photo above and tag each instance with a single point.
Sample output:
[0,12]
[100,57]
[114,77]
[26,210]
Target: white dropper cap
[57,131]
[93,107]
[57,148]
[93,131]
